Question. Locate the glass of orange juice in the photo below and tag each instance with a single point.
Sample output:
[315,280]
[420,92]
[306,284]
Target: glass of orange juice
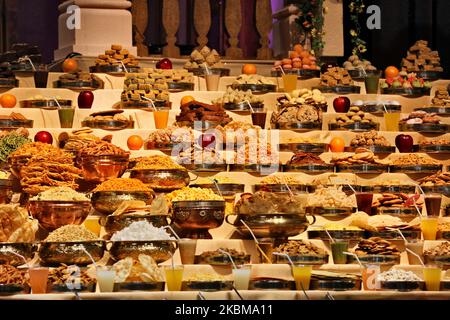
[391,120]
[93,225]
[429,226]
[161,118]
[432,277]
[38,280]
[289,82]
[302,276]
[174,277]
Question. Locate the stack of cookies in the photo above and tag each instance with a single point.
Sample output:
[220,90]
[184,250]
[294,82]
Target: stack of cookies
[395,200]
[336,77]
[115,56]
[421,58]
[441,97]
[141,86]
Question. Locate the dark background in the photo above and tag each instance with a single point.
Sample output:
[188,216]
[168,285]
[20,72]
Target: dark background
[402,23]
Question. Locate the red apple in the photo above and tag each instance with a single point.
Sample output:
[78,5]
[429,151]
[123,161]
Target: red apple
[44,137]
[404,143]
[85,99]
[207,140]
[164,64]
[341,104]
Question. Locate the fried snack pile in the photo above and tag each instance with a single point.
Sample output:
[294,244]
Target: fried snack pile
[376,245]
[280,180]
[440,250]
[262,202]
[193,194]
[380,222]
[371,138]
[414,159]
[144,269]
[63,274]
[236,255]
[71,233]
[60,194]
[157,163]
[300,158]
[331,197]
[438,179]
[99,147]
[12,275]
[79,138]
[299,247]
[16,225]
[122,184]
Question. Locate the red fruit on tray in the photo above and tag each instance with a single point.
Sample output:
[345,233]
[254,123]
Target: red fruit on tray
[44,137]
[85,99]
[164,63]
[404,143]
[207,140]
[341,104]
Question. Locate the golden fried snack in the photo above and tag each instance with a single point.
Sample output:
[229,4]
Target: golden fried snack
[16,225]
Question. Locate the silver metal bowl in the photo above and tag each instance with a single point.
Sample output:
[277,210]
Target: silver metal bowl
[165,180]
[113,224]
[100,168]
[159,250]
[106,202]
[54,214]
[8,250]
[68,253]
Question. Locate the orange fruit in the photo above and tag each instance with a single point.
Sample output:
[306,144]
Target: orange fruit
[298,48]
[337,145]
[8,100]
[249,69]
[186,100]
[306,60]
[293,54]
[70,65]
[135,142]
[304,54]
[391,72]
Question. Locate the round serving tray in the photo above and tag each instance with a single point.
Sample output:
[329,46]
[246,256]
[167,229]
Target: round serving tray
[205,167]
[280,188]
[380,108]
[410,92]
[202,72]
[45,103]
[425,127]
[298,126]
[330,212]
[263,169]
[402,286]
[256,88]
[335,284]
[110,125]
[26,250]
[207,286]
[374,149]
[339,89]
[356,126]
[77,85]
[226,189]
[443,111]
[242,106]
[302,259]
[309,168]
[362,168]
[423,168]
[436,148]
[113,70]
[180,86]
[443,189]
[429,75]
[336,234]
[146,105]
[305,147]
[394,235]
[12,123]
[271,284]
[138,286]
[301,73]
[389,189]
[376,259]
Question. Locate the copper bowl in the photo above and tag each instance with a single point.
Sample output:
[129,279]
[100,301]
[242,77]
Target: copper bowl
[100,168]
[24,249]
[113,224]
[54,214]
[106,202]
[159,250]
[6,191]
[68,253]
[164,180]
[195,218]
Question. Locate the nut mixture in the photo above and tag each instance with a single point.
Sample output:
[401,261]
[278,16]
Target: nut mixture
[71,233]
[280,180]
[122,184]
[193,194]
[413,159]
[336,76]
[156,163]
[236,255]
[371,138]
[299,248]
[398,275]
[376,245]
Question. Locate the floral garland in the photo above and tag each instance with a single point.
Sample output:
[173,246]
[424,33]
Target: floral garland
[356,8]
[310,22]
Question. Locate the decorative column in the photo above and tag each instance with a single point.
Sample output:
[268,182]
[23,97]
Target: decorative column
[202,21]
[101,23]
[140,22]
[264,26]
[171,22]
[233,22]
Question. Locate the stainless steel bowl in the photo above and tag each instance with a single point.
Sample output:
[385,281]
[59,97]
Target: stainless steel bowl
[195,218]
[100,168]
[106,202]
[54,214]
[56,253]
[113,224]
[162,180]
[9,251]
[159,250]
[278,225]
